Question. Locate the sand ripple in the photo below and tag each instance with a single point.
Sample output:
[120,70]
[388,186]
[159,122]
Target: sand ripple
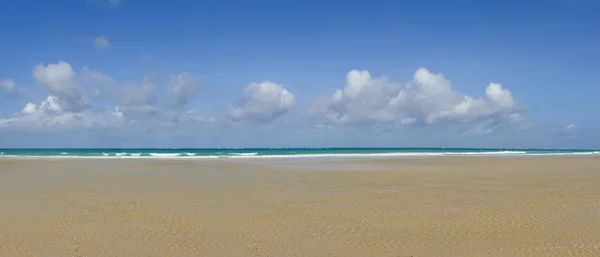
[515,208]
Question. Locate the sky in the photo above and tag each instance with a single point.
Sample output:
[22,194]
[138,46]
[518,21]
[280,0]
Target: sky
[204,74]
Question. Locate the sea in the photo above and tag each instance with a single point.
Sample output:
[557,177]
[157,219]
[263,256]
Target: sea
[168,153]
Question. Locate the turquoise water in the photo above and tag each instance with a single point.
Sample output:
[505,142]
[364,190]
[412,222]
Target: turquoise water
[278,153]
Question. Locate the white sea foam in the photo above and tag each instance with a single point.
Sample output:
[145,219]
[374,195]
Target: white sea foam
[486,153]
[190,154]
[566,154]
[243,154]
[164,154]
[64,153]
[136,154]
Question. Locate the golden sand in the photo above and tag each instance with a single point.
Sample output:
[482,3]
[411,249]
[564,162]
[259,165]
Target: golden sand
[450,206]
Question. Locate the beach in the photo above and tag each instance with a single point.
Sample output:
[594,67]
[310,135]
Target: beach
[433,206]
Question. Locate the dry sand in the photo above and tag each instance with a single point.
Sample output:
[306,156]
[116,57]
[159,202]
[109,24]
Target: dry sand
[451,206]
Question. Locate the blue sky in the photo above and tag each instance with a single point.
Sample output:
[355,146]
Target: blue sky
[134,73]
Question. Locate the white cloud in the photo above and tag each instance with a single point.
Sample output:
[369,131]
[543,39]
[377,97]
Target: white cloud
[569,128]
[62,82]
[499,96]
[29,108]
[135,112]
[428,99]
[48,105]
[408,120]
[9,86]
[101,43]
[49,116]
[181,87]
[67,96]
[262,102]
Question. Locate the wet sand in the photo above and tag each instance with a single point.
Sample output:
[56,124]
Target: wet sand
[443,206]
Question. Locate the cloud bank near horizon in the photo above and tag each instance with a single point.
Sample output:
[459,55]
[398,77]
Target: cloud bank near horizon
[87,101]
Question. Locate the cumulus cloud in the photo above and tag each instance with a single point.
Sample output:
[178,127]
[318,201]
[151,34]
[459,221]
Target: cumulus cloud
[262,102]
[101,43]
[9,86]
[132,111]
[66,105]
[48,105]
[181,87]
[62,82]
[427,99]
[49,116]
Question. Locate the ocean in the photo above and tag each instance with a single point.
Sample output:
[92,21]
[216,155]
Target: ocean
[164,153]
